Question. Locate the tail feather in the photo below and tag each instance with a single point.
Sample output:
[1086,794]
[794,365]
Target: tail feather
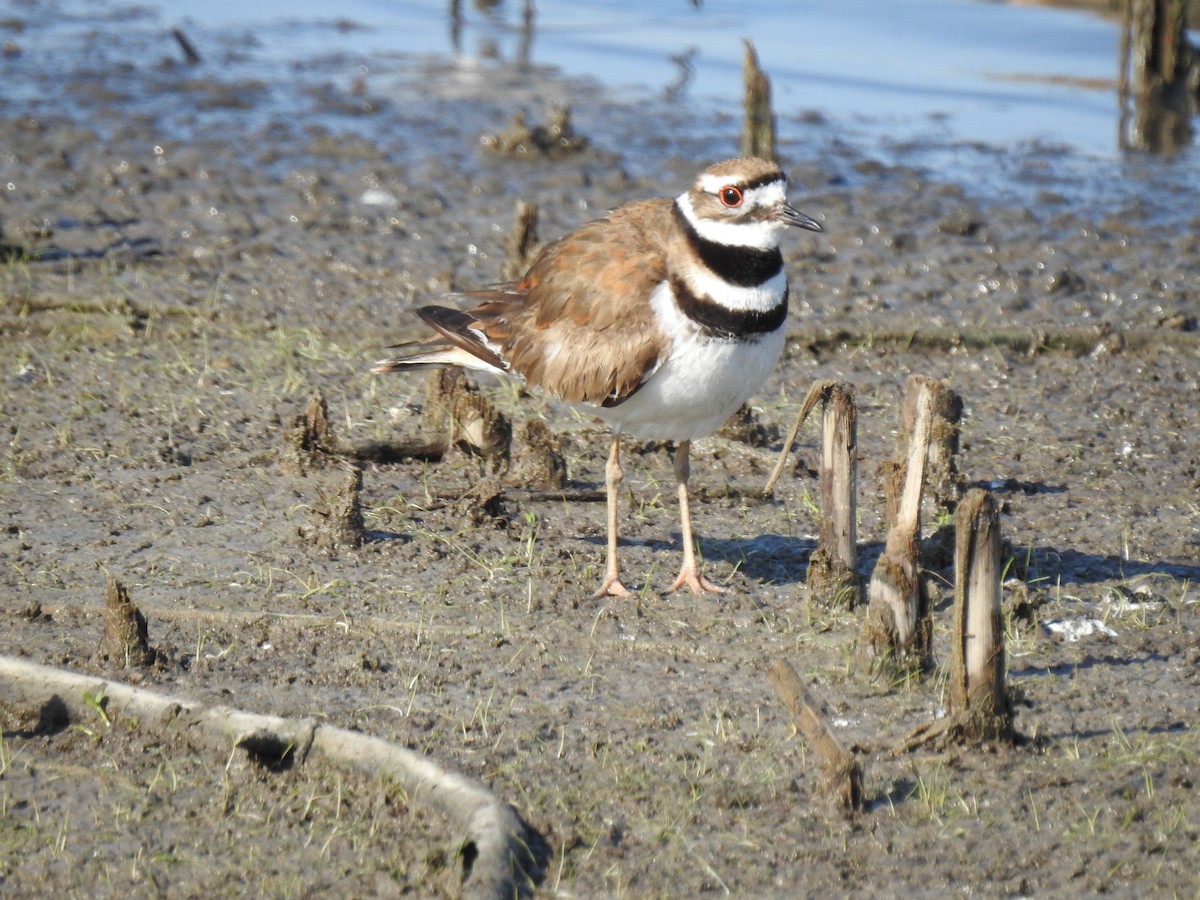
[461,341]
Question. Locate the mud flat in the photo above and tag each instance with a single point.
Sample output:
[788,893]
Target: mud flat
[177,286]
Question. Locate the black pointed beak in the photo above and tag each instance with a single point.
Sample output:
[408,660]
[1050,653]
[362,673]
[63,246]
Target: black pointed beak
[791,216]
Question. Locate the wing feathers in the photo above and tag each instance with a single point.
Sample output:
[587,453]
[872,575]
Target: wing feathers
[578,325]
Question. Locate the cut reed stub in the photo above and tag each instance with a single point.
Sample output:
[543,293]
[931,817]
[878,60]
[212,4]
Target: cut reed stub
[833,567]
[816,394]
[468,422]
[977,693]
[311,442]
[336,516]
[943,481]
[758,126]
[125,642]
[522,243]
[896,633]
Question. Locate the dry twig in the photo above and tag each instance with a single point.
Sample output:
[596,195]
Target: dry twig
[494,850]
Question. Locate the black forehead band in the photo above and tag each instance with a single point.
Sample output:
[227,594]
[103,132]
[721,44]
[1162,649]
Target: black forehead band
[760,181]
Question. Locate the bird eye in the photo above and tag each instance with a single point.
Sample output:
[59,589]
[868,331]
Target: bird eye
[730,196]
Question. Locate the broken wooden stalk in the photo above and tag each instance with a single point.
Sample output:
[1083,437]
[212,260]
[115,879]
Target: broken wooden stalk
[758,126]
[833,567]
[1158,74]
[843,783]
[522,241]
[977,694]
[942,478]
[815,394]
[895,631]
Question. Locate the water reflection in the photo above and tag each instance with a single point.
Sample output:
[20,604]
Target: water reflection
[1159,84]
[997,73]
[494,11]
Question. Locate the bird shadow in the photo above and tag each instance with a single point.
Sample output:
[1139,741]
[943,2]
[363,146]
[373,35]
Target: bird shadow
[1058,565]
[767,558]
[783,559]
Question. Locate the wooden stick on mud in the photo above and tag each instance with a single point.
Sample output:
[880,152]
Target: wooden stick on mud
[843,775]
[977,693]
[894,629]
[978,702]
[495,850]
[833,567]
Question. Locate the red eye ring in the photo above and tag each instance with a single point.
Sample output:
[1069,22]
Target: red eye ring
[730,196]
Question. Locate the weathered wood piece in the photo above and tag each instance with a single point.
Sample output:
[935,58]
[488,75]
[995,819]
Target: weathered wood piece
[758,124]
[522,242]
[895,636]
[1159,76]
[843,780]
[494,842]
[126,639]
[943,482]
[977,694]
[833,567]
[311,442]
[815,395]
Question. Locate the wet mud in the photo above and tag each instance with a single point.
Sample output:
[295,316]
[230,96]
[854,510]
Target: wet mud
[185,269]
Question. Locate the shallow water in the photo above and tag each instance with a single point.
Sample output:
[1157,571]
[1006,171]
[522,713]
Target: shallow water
[896,70]
[1003,98]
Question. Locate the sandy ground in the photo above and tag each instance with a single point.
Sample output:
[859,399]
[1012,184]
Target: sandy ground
[175,287]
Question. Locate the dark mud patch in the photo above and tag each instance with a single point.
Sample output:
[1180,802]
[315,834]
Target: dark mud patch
[181,292]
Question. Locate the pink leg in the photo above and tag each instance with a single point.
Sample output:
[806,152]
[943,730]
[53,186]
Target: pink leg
[689,574]
[611,586]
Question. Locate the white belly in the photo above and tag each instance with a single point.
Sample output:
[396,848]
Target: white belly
[698,387]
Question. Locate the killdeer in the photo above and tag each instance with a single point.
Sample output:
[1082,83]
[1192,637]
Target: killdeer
[661,318]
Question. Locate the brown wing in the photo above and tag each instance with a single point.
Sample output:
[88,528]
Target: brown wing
[579,324]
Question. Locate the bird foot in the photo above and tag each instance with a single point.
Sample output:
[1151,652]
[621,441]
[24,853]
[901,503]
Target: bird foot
[611,587]
[690,575]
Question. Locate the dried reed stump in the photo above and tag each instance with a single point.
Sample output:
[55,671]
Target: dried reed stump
[895,639]
[833,567]
[537,460]
[979,706]
[311,441]
[336,517]
[554,140]
[126,639]
[943,481]
[1159,75]
[758,126]
[465,420]
[522,242]
[978,698]
[843,780]
[482,505]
